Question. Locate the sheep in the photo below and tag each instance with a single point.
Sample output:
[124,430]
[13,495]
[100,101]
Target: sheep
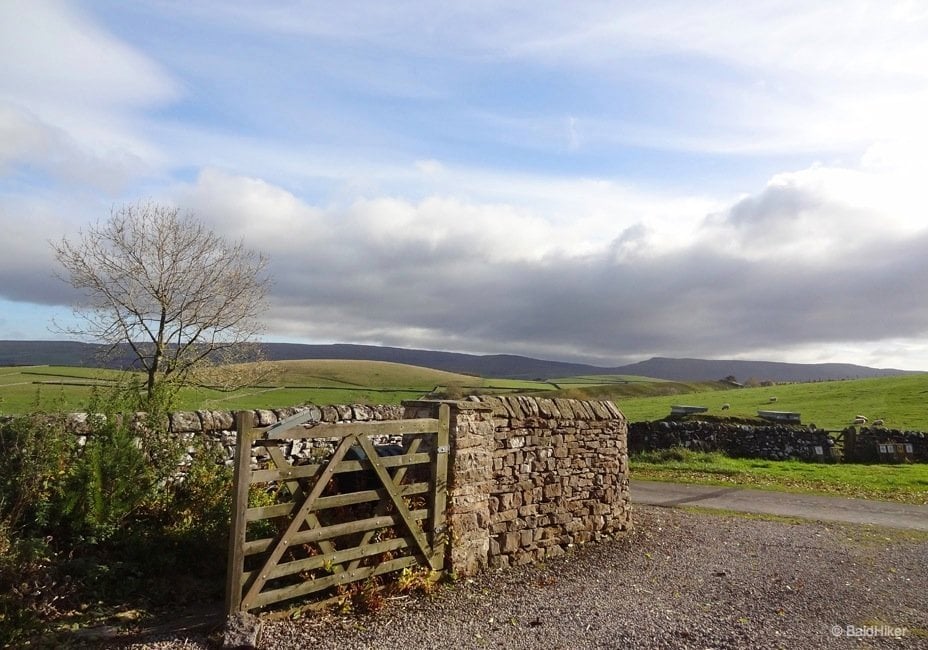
[726,406]
[772,400]
[878,423]
[860,417]
[860,421]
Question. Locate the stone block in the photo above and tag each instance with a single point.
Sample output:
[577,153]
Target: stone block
[510,542]
[362,413]
[552,490]
[184,421]
[241,631]
[507,515]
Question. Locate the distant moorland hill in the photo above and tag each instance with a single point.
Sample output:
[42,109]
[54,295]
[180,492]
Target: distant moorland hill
[72,353]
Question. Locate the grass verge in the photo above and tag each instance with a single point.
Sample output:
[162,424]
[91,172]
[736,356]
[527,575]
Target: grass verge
[898,483]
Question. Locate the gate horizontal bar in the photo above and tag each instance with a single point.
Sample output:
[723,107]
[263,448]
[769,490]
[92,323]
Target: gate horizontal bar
[322,503]
[337,530]
[303,471]
[295,591]
[384,428]
[347,555]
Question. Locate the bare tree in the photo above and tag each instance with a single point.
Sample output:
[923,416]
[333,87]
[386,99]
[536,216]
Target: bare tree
[181,297]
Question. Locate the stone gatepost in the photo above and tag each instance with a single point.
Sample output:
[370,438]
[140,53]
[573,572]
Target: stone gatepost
[470,478]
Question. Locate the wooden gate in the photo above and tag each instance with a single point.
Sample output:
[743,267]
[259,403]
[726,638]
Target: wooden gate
[354,513]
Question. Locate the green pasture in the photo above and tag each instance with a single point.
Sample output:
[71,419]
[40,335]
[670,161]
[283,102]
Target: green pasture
[901,401]
[620,392]
[905,483]
[326,381]
[50,388]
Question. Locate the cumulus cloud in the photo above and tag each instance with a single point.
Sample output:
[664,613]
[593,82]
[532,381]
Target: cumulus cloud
[489,278]
[27,265]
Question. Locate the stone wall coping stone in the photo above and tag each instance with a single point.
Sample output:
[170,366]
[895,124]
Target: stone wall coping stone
[463,405]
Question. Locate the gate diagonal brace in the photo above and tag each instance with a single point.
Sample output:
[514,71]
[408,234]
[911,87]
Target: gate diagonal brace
[297,492]
[384,476]
[284,543]
[382,508]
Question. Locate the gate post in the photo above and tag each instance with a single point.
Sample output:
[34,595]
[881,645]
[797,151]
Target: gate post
[244,424]
[470,478]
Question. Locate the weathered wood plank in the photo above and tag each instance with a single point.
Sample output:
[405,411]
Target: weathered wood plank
[383,505]
[337,558]
[302,589]
[336,501]
[439,526]
[240,483]
[296,492]
[394,494]
[289,473]
[292,472]
[371,525]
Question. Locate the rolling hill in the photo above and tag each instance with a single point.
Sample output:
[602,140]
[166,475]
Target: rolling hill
[74,353]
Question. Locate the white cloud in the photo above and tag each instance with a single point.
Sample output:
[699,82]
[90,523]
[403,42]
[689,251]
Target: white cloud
[790,268]
[55,53]
[25,139]
[429,166]
[70,93]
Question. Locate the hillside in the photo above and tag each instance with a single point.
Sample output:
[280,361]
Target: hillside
[703,369]
[71,353]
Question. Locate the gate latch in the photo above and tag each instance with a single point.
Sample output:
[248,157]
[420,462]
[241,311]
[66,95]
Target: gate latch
[443,449]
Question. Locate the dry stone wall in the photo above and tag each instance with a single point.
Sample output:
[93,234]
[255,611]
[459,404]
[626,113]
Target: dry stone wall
[769,441]
[218,427]
[864,445]
[532,477]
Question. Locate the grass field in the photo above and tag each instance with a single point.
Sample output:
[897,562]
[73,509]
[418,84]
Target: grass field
[64,388]
[621,392]
[901,401]
[901,483]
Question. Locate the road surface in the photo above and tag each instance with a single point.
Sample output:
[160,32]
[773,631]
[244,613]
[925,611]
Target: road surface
[787,504]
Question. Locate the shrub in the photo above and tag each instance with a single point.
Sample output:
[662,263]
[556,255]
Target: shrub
[200,505]
[107,482]
[110,522]
[28,587]
[36,453]
[124,465]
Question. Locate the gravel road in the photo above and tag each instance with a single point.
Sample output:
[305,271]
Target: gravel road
[682,579]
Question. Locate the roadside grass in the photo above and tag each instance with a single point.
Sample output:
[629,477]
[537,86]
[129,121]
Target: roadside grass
[904,483]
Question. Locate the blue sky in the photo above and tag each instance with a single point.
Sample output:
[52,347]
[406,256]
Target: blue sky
[598,181]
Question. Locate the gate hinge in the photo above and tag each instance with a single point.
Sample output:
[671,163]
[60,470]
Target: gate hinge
[443,449]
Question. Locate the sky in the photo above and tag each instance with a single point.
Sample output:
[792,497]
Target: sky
[599,181]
